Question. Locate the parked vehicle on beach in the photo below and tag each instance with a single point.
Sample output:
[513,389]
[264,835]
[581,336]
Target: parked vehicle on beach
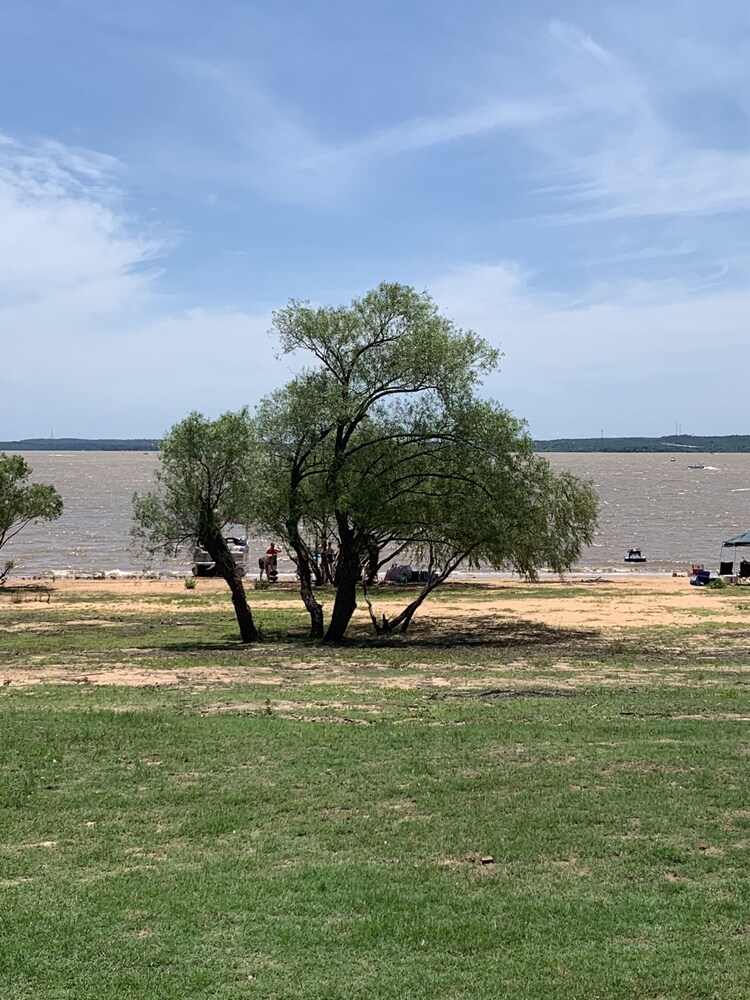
[203,564]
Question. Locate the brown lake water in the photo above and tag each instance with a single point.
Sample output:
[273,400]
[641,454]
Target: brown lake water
[674,514]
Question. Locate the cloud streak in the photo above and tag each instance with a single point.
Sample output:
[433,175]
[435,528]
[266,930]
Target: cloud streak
[593,117]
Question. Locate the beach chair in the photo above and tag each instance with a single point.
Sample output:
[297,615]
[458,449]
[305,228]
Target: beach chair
[726,569]
[744,574]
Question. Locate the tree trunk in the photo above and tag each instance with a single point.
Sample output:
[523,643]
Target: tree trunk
[229,571]
[348,574]
[371,569]
[305,570]
[402,621]
[315,610]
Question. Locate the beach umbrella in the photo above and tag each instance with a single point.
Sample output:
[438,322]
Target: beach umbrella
[738,541]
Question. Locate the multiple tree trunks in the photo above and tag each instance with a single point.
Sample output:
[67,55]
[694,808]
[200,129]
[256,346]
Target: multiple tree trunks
[384,443]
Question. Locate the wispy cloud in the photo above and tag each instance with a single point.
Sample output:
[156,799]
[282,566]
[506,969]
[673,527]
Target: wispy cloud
[289,159]
[622,155]
[94,343]
[570,362]
[604,160]
[422,133]
[592,115]
[64,235]
[652,253]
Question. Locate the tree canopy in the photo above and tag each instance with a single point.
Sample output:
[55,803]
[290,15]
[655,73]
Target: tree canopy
[384,444]
[22,503]
[206,482]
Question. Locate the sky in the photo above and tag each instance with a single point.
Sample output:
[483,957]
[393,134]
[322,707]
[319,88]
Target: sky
[572,181]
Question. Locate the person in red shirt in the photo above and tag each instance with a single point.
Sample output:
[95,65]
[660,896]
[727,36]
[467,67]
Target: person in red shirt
[271,563]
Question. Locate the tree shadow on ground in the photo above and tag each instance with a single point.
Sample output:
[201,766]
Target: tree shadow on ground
[479,631]
[469,631]
[37,592]
[487,633]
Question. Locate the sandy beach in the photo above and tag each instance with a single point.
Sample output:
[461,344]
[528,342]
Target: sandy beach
[619,603]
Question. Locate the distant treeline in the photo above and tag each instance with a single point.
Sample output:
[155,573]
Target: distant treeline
[81,444]
[675,443]
[684,443]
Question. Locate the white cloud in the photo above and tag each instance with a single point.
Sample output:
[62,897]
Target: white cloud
[590,116]
[639,353]
[89,345]
[65,242]
[615,323]
[287,158]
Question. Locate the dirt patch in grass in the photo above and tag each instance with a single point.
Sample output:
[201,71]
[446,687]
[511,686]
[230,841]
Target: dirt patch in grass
[571,866]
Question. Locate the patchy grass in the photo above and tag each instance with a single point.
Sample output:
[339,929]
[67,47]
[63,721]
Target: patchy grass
[488,807]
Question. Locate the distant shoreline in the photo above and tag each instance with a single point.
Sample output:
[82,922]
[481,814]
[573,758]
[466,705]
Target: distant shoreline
[685,444]
[676,444]
[81,444]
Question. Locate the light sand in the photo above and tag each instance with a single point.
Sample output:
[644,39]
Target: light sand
[625,602]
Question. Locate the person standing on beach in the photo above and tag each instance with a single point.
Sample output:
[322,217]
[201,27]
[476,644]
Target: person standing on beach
[329,558]
[271,558]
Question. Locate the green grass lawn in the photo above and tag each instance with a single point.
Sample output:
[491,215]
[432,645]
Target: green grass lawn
[427,818]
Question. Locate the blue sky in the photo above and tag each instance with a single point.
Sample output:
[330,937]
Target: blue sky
[570,180]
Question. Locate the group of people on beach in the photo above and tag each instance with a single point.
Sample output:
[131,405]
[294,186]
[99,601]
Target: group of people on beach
[268,563]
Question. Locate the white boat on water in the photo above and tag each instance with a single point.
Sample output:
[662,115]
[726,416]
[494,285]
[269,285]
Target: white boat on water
[698,465]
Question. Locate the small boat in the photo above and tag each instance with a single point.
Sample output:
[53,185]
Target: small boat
[634,556]
[698,465]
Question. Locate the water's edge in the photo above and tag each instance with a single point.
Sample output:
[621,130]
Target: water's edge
[675,514]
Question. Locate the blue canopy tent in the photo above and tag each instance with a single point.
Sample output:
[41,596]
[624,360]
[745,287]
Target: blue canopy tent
[727,568]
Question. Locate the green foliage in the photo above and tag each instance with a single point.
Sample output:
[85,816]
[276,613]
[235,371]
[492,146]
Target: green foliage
[190,583]
[22,503]
[205,482]
[385,446]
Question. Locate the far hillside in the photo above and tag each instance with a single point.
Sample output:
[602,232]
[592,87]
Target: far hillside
[684,443]
[81,444]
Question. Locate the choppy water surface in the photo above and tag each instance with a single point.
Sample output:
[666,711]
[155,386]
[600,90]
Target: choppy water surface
[674,514]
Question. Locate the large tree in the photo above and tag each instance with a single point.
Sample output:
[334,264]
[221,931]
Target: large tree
[206,481]
[480,496]
[384,443]
[22,503]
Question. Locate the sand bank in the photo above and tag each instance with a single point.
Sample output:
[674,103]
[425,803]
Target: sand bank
[592,602]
